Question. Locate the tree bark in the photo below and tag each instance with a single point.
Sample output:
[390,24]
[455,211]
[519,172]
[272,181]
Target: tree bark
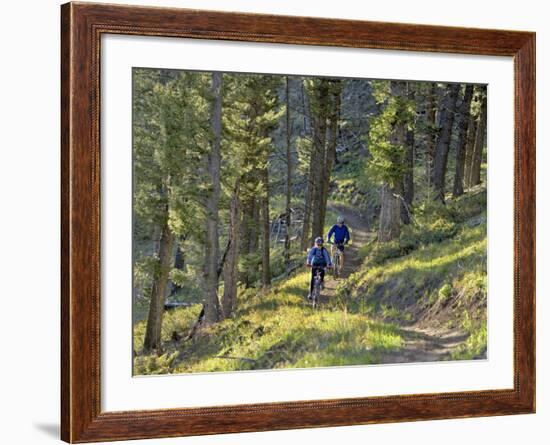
[475,170]
[390,213]
[229,298]
[319,120]
[443,142]
[153,331]
[306,224]
[462,124]
[264,212]
[288,176]
[473,122]
[212,248]
[330,150]
[431,133]
[408,177]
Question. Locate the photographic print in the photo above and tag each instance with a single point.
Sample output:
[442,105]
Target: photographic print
[285,221]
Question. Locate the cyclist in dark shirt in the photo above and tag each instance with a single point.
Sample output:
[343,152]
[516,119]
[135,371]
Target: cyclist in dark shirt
[341,236]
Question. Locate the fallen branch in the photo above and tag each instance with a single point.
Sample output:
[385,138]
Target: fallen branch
[228,357]
[194,328]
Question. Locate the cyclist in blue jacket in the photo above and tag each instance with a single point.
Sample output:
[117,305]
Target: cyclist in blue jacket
[318,259]
[341,236]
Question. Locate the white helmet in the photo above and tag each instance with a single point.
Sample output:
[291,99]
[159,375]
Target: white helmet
[340,219]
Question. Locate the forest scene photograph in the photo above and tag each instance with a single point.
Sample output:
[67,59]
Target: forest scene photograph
[286,221]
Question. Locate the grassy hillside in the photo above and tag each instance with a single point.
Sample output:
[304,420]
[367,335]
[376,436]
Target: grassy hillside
[432,280]
[434,277]
[273,330]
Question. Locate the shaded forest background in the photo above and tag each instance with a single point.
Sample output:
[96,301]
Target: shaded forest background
[236,174]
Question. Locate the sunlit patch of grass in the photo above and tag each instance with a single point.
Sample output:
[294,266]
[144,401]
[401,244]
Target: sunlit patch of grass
[278,329]
[177,320]
[475,345]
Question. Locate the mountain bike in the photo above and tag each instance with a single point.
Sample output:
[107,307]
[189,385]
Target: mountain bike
[337,260]
[316,294]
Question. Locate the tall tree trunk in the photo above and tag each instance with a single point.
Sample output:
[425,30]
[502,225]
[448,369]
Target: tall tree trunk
[330,151]
[288,176]
[462,124]
[475,170]
[408,176]
[306,224]
[390,214]
[319,119]
[390,211]
[431,105]
[264,212]
[229,298]
[473,122]
[247,215]
[153,330]
[255,235]
[212,248]
[305,110]
[444,141]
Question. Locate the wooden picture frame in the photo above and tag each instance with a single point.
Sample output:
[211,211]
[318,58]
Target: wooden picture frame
[82,26]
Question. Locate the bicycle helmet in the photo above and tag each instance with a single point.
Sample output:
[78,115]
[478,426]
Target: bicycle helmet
[318,240]
[340,219]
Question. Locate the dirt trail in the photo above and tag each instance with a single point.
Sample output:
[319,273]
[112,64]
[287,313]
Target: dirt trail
[420,345]
[359,236]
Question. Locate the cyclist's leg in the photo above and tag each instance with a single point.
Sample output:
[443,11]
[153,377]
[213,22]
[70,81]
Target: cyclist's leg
[313,269]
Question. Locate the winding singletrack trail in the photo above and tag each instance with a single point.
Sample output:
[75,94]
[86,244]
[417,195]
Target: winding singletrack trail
[358,227]
[420,344]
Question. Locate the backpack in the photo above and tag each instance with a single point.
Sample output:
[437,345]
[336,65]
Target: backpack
[318,257]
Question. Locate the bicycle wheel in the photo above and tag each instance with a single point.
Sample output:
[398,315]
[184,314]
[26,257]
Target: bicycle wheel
[316,294]
[336,265]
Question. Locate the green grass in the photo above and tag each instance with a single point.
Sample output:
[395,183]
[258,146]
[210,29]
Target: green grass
[274,330]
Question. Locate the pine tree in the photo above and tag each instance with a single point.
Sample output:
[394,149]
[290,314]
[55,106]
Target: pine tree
[387,139]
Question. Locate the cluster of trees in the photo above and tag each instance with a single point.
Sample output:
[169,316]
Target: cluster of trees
[214,151]
[417,126]
[201,184]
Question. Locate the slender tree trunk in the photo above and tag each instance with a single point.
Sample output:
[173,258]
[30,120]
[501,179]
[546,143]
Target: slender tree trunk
[288,176]
[475,170]
[306,225]
[264,212]
[473,122]
[229,298]
[462,124]
[305,110]
[255,233]
[408,177]
[212,248]
[153,330]
[431,136]
[319,156]
[443,142]
[330,155]
[247,213]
